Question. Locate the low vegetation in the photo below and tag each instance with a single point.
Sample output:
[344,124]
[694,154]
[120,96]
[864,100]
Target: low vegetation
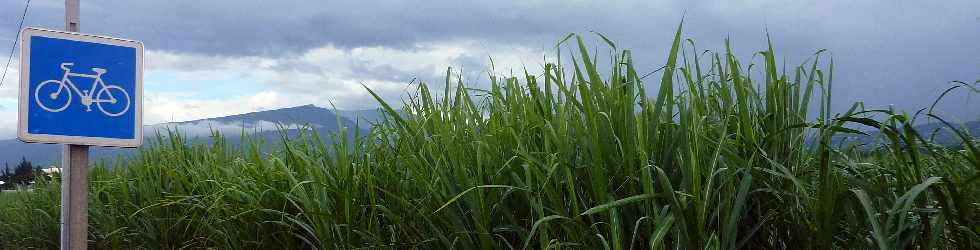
[720,155]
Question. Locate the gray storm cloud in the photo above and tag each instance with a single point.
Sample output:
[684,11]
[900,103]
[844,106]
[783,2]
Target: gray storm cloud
[885,52]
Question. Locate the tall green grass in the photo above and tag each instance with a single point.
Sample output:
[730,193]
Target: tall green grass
[721,154]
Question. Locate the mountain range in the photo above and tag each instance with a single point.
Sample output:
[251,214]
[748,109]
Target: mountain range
[936,132]
[262,124]
[265,124]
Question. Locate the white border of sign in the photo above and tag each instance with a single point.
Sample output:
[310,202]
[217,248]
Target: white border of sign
[25,61]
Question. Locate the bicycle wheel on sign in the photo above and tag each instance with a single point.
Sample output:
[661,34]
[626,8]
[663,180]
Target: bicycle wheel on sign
[112,100]
[52,95]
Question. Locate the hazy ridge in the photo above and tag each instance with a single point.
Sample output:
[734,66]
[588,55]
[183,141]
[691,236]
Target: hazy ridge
[263,124]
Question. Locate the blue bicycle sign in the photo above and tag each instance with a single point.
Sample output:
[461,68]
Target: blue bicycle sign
[56,95]
[80,89]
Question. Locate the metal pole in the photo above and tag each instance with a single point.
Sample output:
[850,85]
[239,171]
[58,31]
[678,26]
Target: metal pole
[74,197]
[74,170]
[72,15]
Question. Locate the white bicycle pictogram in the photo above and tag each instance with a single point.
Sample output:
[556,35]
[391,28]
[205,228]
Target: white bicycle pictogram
[106,94]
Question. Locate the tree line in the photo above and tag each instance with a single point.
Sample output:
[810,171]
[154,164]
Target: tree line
[22,174]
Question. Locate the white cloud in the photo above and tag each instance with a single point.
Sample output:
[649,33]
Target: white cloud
[8,123]
[204,129]
[10,82]
[8,101]
[180,106]
[325,76]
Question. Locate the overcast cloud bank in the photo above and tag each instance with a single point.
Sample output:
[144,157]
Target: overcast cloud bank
[216,58]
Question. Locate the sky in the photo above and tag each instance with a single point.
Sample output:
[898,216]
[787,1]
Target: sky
[223,57]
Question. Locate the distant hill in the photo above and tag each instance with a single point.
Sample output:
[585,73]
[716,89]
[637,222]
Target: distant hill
[364,118]
[262,124]
[936,132]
